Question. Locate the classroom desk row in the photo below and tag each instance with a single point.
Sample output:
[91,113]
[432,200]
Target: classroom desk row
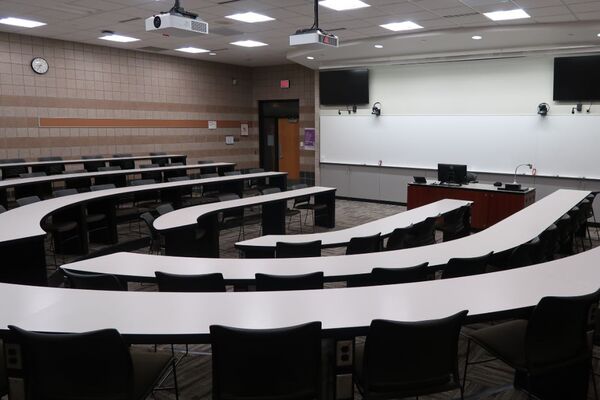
[507,234]
[265,245]
[179,227]
[102,176]
[172,158]
[22,238]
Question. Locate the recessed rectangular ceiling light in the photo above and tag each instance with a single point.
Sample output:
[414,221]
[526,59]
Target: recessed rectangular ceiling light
[193,50]
[118,38]
[248,43]
[341,5]
[507,15]
[401,26]
[23,23]
[250,17]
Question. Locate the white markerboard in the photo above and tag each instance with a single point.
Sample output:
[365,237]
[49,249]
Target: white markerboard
[566,145]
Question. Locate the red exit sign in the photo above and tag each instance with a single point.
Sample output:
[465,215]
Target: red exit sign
[284,84]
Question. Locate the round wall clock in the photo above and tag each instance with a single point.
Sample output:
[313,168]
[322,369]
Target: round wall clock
[39,65]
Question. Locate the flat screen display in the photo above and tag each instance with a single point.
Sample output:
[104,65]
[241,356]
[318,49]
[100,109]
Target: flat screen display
[344,87]
[577,78]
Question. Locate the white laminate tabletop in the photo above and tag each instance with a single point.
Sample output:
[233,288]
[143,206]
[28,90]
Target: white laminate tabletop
[188,216]
[385,226]
[81,161]
[24,222]
[158,313]
[513,231]
[63,177]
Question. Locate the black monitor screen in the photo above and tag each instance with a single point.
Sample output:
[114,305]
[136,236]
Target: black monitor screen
[577,78]
[452,173]
[344,88]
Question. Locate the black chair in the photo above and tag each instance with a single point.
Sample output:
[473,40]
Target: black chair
[190,283]
[2,209]
[232,173]
[147,198]
[88,365]
[92,166]
[390,276]
[78,280]
[555,337]
[456,224]
[402,359]
[585,212]
[156,176]
[421,233]
[295,250]
[106,186]
[49,169]
[164,209]
[96,214]
[529,253]
[304,203]
[234,217]
[81,184]
[41,189]
[591,214]
[156,244]
[364,244]
[210,190]
[174,172]
[117,180]
[162,161]
[123,164]
[458,267]
[13,171]
[289,212]
[27,200]
[565,234]
[549,239]
[257,364]
[396,239]
[267,282]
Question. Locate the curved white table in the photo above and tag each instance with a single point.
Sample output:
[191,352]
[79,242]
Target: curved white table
[22,237]
[511,232]
[179,227]
[81,160]
[385,226]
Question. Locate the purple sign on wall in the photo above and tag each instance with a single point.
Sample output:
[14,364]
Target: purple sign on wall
[309,138]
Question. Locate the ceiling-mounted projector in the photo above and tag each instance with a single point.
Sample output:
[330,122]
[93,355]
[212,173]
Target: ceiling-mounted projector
[314,35]
[176,22]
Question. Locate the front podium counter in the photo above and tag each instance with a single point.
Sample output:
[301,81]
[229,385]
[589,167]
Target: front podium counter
[490,204]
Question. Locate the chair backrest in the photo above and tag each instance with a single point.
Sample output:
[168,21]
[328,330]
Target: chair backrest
[51,169]
[303,200]
[270,190]
[364,244]
[106,186]
[565,226]
[405,358]
[164,209]
[585,211]
[142,166]
[549,239]
[92,281]
[14,171]
[140,182]
[256,170]
[148,219]
[526,254]
[2,209]
[397,237]
[155,176]
[190,283]
[457,223]
[92,166]
[178,178]
[111,168]
[232,173]
[162,161]
[205,162]
[209,175]
[23,201]
[257,364]
[267,282]
[421,233]
[64,192]
[390,276]
[457,267]
[124,164]
[557,330]
[294,250]
[232,214]
[32,174]
[89,365]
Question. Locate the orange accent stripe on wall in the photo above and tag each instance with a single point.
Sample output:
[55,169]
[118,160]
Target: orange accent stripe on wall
[133,123]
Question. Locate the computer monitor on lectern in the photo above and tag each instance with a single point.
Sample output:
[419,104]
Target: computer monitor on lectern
[452,173]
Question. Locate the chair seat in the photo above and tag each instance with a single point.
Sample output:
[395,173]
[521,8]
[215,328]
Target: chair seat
[61,226]
[92,218]
[147,366]
[505,341]
[311,206]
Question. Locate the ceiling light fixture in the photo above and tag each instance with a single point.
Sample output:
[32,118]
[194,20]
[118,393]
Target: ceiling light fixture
[507,15]
[342,5]
[212,53]
[113,37]
[23,23]
[476,37]
[378,46]
[193,50]
[250,17]
[248,43]
[310,58]
[599,35]
[401,26]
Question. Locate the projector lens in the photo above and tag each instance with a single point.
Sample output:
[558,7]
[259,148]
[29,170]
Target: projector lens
[157,22]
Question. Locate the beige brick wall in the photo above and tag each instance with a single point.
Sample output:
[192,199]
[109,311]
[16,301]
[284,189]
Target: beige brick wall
[91,83]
